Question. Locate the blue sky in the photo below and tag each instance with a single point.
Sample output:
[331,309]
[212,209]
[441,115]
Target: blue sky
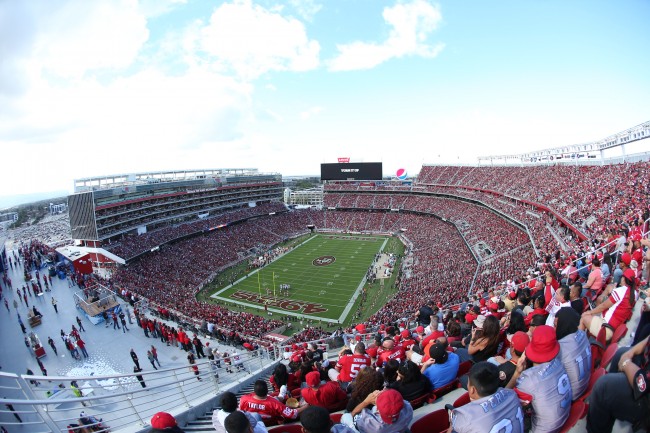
[103,87]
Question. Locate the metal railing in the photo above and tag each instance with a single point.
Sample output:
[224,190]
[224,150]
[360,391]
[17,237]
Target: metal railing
[126,401]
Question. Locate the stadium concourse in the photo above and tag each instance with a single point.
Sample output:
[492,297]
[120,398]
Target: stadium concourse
[480,241]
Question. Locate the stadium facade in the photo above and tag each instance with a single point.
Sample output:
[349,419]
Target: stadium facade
[106,208]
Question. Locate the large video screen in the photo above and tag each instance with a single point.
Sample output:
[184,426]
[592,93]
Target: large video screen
[351,171]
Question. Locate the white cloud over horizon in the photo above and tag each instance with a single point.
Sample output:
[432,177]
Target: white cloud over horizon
[253,40]
[411,25]
[112,86]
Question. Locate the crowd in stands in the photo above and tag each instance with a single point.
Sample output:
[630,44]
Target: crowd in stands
[594,198]
[132,245]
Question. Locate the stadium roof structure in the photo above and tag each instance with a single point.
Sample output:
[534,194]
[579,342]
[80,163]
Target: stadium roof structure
[571,153]
[150,177]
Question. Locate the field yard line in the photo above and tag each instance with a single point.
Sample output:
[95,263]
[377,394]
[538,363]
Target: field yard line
[353,298]
[216,294]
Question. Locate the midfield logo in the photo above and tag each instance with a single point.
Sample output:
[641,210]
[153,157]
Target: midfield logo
[324,261]
[284,304]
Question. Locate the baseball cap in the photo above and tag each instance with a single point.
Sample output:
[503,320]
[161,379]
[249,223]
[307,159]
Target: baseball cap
[512,295]
[626,258]
[438,352]
[397,338]
[493,306]
[419,329]
[483,301]
[629,274]
[163,420]
[635,237]
[479,321]
[358,338]
[372,351]
[519,341]
[312,378]
[389,405]
[405,333]
[543,346]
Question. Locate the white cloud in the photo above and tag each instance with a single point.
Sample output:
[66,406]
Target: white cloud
[411,25]
[306,9]
[313,111]
[252,40]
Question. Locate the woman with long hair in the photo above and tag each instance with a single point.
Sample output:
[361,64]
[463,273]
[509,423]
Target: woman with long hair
[484,342]
[410,381]
[367,381]
[283,382]
[390,372]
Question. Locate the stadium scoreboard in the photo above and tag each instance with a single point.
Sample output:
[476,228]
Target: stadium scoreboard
[352,171]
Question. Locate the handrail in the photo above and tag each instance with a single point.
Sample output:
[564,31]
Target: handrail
[122,400]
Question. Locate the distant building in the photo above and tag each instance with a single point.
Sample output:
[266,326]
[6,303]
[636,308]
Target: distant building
[9,216]
[56,209]
[105,208]
[306,197]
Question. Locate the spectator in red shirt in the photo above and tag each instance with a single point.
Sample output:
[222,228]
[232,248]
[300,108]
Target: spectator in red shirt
[269,408]
[329,395]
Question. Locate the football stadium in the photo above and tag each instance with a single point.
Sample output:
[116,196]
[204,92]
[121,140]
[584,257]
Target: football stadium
[214,261]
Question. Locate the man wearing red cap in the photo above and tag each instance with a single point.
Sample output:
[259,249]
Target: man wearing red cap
[391,413]
[616,306]
[545,384]
[508,366]
[162,422]
[329,395]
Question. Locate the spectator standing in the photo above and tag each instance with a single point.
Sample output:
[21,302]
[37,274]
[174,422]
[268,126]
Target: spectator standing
[151,359]
[56,309]
[134,357]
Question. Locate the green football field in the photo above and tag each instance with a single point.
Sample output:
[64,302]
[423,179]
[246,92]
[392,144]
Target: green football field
[326,274]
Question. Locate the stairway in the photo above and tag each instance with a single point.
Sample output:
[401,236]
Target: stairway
[204,423]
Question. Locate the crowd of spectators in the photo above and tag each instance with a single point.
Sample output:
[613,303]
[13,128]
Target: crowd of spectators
[595,198]
[132,245]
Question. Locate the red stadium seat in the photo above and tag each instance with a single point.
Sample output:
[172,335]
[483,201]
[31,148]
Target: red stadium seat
[434,422]
[463,368]
[439,392]
[578,408]
[336,417]
[462,400]
[420,401]
[592,381]
[287,428]
[619,333]
[609,354]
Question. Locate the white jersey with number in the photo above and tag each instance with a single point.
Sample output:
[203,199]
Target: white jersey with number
[575,353]
[548,388]
[497,413]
